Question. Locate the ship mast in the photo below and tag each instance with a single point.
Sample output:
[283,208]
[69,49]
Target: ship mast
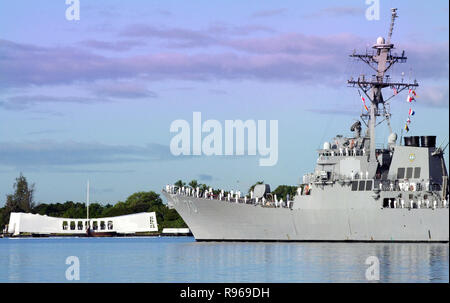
[87,201]
[381,59]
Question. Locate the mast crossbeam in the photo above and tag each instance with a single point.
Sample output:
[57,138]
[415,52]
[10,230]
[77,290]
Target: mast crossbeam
[380,59]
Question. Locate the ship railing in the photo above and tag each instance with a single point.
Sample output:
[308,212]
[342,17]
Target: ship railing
[386,185]
[326,154]
[431,202]
[223,196]
[253,201]
[406,186]
[383,185]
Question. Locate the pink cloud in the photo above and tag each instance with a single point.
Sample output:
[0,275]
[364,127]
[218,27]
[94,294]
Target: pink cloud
[281,57]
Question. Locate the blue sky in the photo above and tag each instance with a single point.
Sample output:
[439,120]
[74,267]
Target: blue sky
[94,98]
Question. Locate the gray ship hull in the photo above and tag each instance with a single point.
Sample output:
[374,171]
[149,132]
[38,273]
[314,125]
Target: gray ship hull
[357,192]
[215,220]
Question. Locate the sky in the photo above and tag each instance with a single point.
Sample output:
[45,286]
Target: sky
[93,99]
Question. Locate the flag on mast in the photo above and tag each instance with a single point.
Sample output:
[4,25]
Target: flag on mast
[411,95]
[411,91]
[411,112]
[364,101]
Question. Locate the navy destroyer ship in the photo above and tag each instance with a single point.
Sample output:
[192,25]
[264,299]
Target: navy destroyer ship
[357,192]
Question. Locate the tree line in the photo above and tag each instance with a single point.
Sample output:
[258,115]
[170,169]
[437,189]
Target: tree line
[145,201]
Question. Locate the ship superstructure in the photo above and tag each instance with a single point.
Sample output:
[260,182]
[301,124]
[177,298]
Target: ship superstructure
[357,192]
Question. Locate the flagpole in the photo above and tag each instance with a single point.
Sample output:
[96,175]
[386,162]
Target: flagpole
[87,200]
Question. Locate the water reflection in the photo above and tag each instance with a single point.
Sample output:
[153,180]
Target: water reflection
[184,260]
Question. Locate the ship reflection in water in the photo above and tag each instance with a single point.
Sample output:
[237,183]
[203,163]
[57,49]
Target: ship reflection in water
[183,260]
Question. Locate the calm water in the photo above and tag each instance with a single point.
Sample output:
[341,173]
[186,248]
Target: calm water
[184,260]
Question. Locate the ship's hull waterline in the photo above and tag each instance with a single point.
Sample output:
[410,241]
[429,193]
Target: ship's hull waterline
[215,220]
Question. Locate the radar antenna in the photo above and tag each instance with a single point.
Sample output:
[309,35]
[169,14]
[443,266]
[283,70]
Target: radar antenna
[391,28]
[380,59]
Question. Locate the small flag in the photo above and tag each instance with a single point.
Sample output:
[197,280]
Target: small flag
[411,112]
[395,90]
[409,98]
[414,93]
[408,121]
[406,127]
[363,100]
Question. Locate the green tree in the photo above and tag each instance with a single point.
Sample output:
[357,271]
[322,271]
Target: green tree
[119,209]
[95,210]
[149,198]
[193,184]
[74,210]
[283,190]
[253,186]
[21,200]
[179,184]
[2,222]
[204,187]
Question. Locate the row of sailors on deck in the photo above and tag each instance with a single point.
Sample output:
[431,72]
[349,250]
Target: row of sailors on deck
[231,196]
[405,186]
[186,190]
[348,152]
[393,203]
[402,186]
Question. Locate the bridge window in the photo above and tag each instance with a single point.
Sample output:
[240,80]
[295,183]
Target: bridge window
[400,173]
[95,225]
[362,185]
[80,225]
[369,185]
[354,185]
[110,225]
[65,225]
[409,172]
[102,225]
[417,172]
[72,225]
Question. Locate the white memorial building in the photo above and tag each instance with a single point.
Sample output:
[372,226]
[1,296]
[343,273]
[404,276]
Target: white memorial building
[25,223]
